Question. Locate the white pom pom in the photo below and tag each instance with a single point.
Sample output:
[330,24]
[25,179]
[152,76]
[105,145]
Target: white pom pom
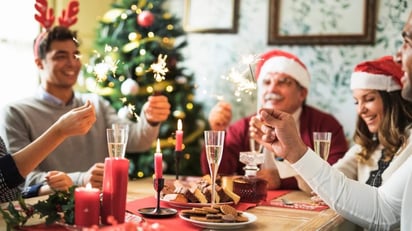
[129,87]
[124,113]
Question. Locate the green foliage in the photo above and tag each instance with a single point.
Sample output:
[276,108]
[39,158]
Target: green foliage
[58,207]
[136,48]
[15,217]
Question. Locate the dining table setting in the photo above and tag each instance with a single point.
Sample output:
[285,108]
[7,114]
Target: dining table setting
[282,210]
[162,202]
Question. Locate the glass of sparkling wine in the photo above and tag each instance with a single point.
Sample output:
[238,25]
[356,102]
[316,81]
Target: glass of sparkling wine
[116,141]
[122,126]
[322,143]
[214,141]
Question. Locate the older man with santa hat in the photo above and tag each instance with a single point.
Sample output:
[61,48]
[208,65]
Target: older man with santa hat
[283,83]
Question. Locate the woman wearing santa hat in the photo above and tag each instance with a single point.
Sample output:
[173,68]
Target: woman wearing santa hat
[382,136]
[385,208]
[283,83]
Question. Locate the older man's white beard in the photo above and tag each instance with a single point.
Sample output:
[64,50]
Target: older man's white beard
[271,97]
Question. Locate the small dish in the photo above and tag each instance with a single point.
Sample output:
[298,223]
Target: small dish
[213,225]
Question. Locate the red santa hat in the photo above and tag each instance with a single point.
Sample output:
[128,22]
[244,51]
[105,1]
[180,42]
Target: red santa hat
[381,74]
[283,62]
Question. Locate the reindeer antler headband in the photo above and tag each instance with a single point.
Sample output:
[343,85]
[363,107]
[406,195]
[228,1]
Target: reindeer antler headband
[46,18]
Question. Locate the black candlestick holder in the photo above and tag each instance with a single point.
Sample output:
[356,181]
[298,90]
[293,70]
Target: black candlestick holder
[178,156]
[158,212]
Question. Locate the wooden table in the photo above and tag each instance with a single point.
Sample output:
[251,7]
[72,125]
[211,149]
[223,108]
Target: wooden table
[268,218]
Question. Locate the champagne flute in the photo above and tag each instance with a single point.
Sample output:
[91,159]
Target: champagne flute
[122,126]
[322,143]
[214,141]
[116,142]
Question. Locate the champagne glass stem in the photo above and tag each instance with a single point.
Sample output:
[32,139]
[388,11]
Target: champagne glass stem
[213,195]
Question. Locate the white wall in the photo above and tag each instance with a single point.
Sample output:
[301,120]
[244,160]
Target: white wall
[211,55]
[17,32]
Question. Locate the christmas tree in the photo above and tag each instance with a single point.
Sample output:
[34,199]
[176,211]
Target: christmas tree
[133,37]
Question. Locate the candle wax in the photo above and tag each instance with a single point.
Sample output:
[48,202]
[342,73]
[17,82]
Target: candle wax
[179,136]
[158,163]
[115,178]
[86,206]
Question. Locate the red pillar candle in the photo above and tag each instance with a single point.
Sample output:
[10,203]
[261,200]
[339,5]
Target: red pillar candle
[158,163]
[86,206]
[115,178]
[179,136]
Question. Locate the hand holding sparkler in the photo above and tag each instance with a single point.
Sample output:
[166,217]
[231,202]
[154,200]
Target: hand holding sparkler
[156,109]
[220,116]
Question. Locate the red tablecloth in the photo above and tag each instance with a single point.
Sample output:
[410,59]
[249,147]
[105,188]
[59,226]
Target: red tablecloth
[175,221]
[161,223]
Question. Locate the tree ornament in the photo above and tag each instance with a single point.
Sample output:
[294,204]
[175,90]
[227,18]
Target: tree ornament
[179,114]
[181,80]
[145,19]
[129,87]
[124,113]
[139,70]
[112,15]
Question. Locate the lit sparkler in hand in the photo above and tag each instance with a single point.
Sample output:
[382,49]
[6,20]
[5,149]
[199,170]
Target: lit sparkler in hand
[159,69]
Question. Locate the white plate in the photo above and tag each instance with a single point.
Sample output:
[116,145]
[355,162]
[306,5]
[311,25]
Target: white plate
[192,205]
[213,225]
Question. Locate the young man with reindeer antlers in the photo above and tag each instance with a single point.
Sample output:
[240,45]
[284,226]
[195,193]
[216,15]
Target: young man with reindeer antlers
[57,58]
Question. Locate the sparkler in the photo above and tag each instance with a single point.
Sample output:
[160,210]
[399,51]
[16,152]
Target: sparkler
[108,64]
[244,81]
[159,69]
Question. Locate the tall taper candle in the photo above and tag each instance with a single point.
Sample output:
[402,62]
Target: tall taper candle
[158,164]
[179,136]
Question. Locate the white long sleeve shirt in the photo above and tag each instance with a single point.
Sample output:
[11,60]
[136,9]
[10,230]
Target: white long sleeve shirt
[373,208]
[353,168]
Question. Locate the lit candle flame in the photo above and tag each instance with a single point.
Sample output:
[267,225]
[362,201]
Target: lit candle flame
[88,186]
[179,124]
[158,150]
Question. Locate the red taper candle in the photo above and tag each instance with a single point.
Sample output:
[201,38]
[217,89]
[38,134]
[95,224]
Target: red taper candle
[158,164]
[179,136]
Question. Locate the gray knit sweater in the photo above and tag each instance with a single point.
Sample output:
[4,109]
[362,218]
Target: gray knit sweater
[25,120]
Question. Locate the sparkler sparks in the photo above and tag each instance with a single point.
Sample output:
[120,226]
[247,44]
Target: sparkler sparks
[108,64]
[104,65]
[244,81]
[242,78]
[131,108]
[159,69]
